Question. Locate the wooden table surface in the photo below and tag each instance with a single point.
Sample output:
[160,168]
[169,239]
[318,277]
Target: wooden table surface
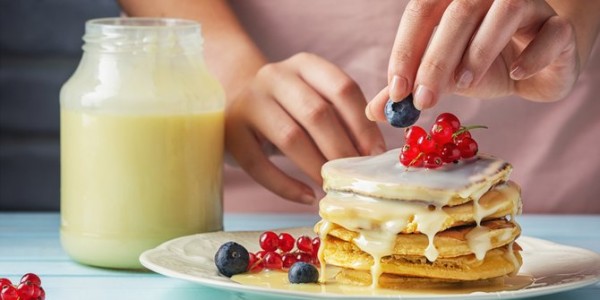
[29,242]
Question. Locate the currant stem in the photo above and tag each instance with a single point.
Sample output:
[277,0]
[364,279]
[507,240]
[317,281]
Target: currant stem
[464,129]
[412,162]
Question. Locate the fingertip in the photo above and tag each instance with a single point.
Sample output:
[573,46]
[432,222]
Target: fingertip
[308,199]
[377,149]
[424,97]
[517,73]
[398,88]
[368,113]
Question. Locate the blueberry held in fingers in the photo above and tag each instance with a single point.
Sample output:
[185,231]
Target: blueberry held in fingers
[232,258]
[402,114]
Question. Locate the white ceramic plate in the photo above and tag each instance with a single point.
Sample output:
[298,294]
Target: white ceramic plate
[554,267]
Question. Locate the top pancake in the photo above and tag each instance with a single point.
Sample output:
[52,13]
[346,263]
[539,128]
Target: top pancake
[382,176]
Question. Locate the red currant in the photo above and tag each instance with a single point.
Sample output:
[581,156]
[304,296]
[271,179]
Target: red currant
[432,161]
[464,134]
[4,281]
[304,243]
[42,294]
[272,260]
[303,256]
[255,264]
[450,118]
[31,278]
[316,244]
[408,154]
[261,254]
[9,292]
[269,241]
[442,132]
[468,147]
[288,260]
[450,153]
[26,290]
[413,133]
[427,144]
[286,242]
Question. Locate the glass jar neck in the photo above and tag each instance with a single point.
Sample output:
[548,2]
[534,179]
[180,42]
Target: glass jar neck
[142,36]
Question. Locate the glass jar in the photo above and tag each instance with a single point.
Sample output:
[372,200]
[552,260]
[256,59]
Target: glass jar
[142,134]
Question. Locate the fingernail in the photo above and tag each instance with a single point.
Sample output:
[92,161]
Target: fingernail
[368,113]
[464,80]
[397,88]
[307,199]
[377,150]
[517,73]
[423,97]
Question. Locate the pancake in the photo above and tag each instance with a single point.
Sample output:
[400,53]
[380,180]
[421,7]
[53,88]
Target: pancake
[497,262]
[356,212]
[386,224]
[453,242]
[382,176]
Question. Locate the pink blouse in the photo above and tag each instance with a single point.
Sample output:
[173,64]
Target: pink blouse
[554,147]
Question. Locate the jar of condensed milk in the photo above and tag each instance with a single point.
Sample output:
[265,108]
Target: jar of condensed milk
[142,134]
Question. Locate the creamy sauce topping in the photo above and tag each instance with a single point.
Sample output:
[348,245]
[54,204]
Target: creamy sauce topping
[383,176]
[279,281]
[379,198]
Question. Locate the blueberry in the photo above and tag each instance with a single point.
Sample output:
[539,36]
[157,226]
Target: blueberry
[302,272]
[403,113]
[232,258]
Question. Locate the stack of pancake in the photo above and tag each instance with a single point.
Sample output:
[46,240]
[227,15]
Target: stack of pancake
[388,225]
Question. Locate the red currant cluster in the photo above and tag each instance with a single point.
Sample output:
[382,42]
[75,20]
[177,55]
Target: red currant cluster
[447,142]
[277,251]
[29,288]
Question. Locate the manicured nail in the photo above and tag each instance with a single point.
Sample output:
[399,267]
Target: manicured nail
[423,97]
[517,73]
[397,88]
[308,199]
[368,113]
[464,80]
[377,150]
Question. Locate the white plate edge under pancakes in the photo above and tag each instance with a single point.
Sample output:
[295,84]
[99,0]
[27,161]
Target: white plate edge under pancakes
[555,267]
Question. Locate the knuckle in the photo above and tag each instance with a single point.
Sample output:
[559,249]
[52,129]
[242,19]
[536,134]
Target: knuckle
[345,87]
[318,112]
[480,53]
[268,70]
[421,8]
[435,66]
[289,135]
[302,56]
[462,10]
[513,7]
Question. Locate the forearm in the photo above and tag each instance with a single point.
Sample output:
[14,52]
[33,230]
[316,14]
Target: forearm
[585,17]
[230,53]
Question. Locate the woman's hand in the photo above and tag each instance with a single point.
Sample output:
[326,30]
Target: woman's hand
[481,48]
[306,108]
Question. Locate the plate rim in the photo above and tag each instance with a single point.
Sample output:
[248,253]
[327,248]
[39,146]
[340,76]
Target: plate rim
[236,287]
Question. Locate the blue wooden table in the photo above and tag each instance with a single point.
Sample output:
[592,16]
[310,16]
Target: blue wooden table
[29,242]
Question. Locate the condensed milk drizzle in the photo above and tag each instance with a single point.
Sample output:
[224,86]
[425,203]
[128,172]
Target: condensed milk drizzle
[351,185]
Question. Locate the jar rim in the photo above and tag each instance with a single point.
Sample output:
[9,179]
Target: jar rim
[141,23]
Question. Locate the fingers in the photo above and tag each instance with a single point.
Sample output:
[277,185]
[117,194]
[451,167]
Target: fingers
[415,29]
[436,72]
[243,145]
[348,102]
[374,109]
[554,38]
[287,135]
[312,112]
[496,31]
